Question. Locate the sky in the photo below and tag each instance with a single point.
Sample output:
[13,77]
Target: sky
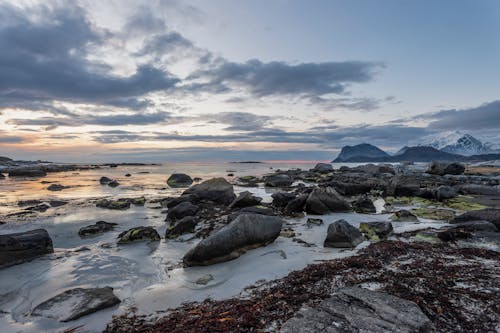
[171,80]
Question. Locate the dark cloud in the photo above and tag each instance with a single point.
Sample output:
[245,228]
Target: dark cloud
[5,138]
[46,59]
[239,121]
[164,44]
[483,117]
[280,78]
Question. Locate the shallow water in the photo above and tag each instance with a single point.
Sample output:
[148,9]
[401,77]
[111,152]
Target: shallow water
[145,275]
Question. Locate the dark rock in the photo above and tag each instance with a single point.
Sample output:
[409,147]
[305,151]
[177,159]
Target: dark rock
[97,228]
[279,180]
[182,210]
[27,172]
[342,234]
[355,309]
[57,203]
[247,231]
[56,187]
[247,180]
[175,201]
[312,222]
[217,190]
[179,180]
[76,303]
[230,174]
[251,210]
[38,208]
[18,247]
[281,199]
[128,175]
[323,168]
[408,190]
[445,192]
[324,201]
[376,230]
[105,180]
[113,183]
[113,204]
[2,176]
[489,214]
[364,205]
[23,203]
[479,189]
[140,201]
[182,226]
[138,234]
[197,179]
[444,168]
[296,205]
[404,216]
[245,199]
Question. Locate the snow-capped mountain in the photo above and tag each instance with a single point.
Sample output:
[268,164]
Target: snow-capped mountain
[457,142]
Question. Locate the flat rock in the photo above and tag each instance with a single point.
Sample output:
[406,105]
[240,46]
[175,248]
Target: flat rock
[75,303]
[343,235]
[19,247]
[27,172]
[97,228]
[247,231]
[359,310]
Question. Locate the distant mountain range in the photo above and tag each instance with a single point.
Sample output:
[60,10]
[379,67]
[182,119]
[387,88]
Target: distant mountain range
[449,147]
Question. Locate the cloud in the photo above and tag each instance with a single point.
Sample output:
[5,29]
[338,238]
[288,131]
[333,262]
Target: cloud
[239,121]
[483,117]
[280,78]
[44,58]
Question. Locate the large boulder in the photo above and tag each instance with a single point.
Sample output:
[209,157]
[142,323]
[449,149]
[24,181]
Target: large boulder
[341,234]
[445,192]
[27,172]
[75,303]
[364,205]
[355,309]
[279,180]
[182,210]
[281,199]
[445,168]
[217,190]
[489,214]
[296,205]
[175,201]
[324,201]
[246,232]
[182,226]
[179,180]
[323,168]
[138,234]
[18,247]
[245,199]
[97,228]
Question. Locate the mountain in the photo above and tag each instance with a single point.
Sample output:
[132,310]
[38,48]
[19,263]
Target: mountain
[457,142]
[425,154]
[360,152]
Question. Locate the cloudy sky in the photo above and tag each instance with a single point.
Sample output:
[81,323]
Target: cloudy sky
[162,80]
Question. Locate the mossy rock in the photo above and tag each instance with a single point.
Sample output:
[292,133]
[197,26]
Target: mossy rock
[113,204]
[138,201]
[463,203]
[138,234]
[410,201]
[248,178]
[434,213]
[369,232]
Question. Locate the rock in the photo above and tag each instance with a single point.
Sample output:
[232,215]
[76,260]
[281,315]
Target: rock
[324,201]
[113,183]
[281,199]
[141,201]
[245,199]
[182,226]
[355,309]
[296,205]
[434,213]
[247,231]
[465,230]
[404,216]
[479,189]
[175,201]
[376,230]
[287,232]
[105,180]
[38,208]
[323,168]
[312,222]
[364,205]
[197,179]
[113,204]
[205,279]
[27,172]
[138,234]
[182,210]
[75,303]
[247,180]
[445,192]
[279,180]
[489,214]
[445,168]
[251,210]
[179,180]
[56,187]
[217,190]
[341,234]
[97,228]
[128,175]
[2,176]
[374,169]
[57,203]
[19,247]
